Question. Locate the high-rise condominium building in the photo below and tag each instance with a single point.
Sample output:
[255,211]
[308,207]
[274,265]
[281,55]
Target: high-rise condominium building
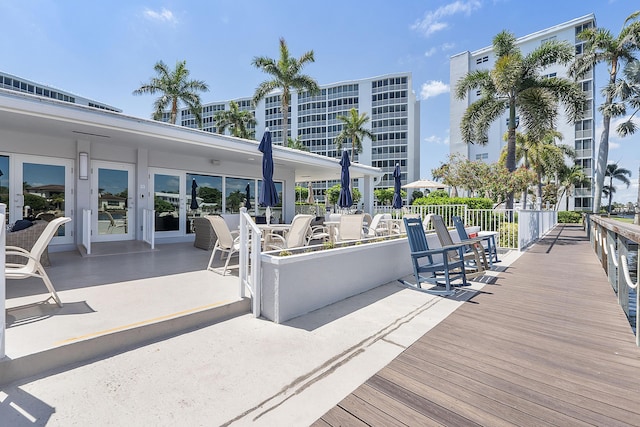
[579,135]
[387,100]
[11,82]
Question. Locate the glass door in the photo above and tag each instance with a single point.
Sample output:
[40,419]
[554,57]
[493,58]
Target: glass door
[112,194]
[169,201]
[41,188]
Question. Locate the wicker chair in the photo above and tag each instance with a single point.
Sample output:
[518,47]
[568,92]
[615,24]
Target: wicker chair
[25,239]
[205,236]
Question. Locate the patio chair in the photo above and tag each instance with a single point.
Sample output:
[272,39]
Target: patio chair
[295,237]
[487,241]
[350,227]
[441,267]
[227,241]
[376,228]
[33,267]
[473,253]
[25,239]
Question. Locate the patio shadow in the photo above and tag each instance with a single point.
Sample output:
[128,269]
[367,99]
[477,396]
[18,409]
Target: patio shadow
[30,313]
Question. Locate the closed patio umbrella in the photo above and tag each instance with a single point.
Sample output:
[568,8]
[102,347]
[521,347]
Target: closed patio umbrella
[345,200]
[310,199]
[268,193]
[247,203]
[194,193]
[397,197]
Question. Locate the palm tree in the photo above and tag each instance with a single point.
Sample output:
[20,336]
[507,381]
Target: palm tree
[175,87]
[353,130]
[543,155]
[516,84]
[569,178]
[285,73]
[236,120]
[615,172]
[296,144]
[602,46]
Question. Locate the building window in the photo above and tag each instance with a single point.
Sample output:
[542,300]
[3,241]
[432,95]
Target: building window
[482,156]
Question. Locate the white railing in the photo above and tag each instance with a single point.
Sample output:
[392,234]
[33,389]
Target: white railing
[86,230]
[3,289]
[149,227]
[611,240]
[250,251]
[532,225]
[507,222]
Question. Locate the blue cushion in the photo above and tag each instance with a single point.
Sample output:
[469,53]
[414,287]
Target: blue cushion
[21,224]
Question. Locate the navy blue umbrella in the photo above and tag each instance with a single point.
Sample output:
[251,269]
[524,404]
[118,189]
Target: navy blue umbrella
[247,203]
[268,192]
[345,200]
[194,200]
[397,197]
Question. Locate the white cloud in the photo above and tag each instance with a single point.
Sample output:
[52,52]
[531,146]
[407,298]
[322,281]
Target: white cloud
[448,46]
[430,52]
[433,88]
[613,145]
[434,139]
[432,21]
[163,15]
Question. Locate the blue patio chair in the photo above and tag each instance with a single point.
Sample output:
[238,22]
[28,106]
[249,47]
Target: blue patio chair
[441,271]
[488,242]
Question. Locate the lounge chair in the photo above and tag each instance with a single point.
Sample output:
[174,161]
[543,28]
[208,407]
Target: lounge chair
[227,241]
[441,267]
[473,253]
[33,267]
[378,226]
[350,227]
[295,237]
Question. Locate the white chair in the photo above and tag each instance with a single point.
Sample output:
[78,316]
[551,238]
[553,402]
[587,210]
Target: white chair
[376,228]
[295,237]
[350,227]
[226,241]
[33,267]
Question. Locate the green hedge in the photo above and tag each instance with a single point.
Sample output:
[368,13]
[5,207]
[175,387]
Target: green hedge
[471,202]
[569,217]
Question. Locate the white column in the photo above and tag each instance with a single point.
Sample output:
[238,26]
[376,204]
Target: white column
[3,290]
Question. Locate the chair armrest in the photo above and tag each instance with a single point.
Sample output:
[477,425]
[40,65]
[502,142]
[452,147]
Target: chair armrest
[16,249]
[21,253]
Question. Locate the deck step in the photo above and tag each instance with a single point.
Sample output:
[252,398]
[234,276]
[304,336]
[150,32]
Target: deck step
[112,342]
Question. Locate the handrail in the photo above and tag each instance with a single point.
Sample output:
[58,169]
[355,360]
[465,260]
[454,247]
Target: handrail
[148,227]
[3,289]
[609,241]
[250,252]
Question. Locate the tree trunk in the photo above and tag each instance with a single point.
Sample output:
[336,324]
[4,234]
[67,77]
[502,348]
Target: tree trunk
[511,147]
[603,149]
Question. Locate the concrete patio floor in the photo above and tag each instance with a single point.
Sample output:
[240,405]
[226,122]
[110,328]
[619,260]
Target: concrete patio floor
[112,302]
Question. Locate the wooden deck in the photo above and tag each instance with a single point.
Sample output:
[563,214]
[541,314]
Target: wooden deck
[546,344]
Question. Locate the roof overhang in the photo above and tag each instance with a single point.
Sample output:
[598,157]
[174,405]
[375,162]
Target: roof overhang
[25,113]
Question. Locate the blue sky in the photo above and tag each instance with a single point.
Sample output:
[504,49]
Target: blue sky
[105,50]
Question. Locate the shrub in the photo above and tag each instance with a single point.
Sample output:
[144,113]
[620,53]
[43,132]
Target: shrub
[508,235]
[471,202]
[569,217]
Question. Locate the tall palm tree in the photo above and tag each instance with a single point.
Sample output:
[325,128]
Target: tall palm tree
[236,120]
[569,178]
[175,87]
[618,173]
[296,144]
[285,73]
[602,46]
[353,130]
[515,84]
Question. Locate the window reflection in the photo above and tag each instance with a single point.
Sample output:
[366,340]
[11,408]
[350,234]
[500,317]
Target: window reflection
[166,199]
[208,197]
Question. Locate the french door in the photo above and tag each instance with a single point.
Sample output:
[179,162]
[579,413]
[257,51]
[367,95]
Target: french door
[40,188]
[169,195]
[112,194]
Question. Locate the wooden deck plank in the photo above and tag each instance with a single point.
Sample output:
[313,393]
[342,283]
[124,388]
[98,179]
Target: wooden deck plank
[546,343]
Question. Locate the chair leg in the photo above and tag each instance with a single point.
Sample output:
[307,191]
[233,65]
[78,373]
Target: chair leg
[213,254]
[49,285]
[226,264]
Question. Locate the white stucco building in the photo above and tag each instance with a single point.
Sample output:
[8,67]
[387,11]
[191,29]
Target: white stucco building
[580,135]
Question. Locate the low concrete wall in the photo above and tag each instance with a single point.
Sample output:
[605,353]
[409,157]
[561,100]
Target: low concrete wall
[297,284]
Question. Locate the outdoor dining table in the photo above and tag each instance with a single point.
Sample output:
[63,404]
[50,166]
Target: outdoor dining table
[268,229]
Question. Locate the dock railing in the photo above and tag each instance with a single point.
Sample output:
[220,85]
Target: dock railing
[86,230]
[250,252]
[616,245]
[149,227]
